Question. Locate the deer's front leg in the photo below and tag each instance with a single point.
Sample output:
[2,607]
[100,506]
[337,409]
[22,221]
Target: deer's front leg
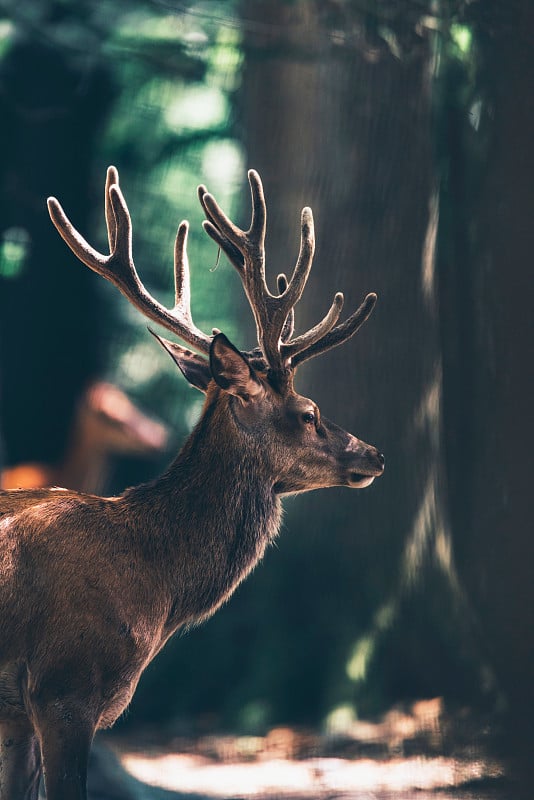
[20,762]
[65,733]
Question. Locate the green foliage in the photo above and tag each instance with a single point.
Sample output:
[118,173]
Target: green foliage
[13,252]
[171,129]
[174,71]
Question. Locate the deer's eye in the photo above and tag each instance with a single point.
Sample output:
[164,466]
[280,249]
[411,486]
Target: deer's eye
[308,417]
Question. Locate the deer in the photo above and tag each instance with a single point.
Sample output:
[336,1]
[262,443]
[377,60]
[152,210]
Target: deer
[106,423]
[91,588]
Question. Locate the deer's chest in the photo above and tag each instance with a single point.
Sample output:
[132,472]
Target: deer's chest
[216,568]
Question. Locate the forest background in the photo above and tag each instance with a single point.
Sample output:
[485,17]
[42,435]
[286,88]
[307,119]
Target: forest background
[407,125]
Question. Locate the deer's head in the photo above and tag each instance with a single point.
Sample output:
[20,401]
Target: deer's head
[253,389]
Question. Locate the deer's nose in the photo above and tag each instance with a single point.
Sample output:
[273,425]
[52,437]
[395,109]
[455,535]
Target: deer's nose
[381,459]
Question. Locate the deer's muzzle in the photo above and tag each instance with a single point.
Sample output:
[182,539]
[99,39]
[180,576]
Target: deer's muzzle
[364,464]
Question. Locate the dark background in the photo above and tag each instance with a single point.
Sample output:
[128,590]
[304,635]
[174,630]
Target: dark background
[408,127]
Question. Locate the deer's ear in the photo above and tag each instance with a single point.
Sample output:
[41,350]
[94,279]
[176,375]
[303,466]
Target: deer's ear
[194,367]
[231,371]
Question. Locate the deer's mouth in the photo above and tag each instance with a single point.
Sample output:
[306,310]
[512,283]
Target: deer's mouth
[359,481]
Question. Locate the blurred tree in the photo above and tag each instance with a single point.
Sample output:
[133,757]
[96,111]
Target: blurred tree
[336,112]
[52,109]
[486,305]
[337,104]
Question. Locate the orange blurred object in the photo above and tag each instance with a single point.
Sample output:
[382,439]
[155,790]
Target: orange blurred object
[107,423]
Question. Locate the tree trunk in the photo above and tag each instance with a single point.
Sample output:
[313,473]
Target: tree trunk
[488,366]
[346,129]
[52,110]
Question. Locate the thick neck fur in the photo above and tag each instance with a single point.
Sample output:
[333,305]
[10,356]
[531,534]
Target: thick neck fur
[211,515]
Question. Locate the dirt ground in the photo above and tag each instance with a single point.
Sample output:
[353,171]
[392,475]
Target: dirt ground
[412,753]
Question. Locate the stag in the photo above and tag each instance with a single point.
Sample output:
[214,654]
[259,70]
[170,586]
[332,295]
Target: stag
[91,588]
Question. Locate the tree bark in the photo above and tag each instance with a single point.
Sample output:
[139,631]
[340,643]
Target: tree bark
[488,366]
[346,128]
[52,111]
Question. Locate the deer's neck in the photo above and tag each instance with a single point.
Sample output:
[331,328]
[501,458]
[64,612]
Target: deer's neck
[210,517]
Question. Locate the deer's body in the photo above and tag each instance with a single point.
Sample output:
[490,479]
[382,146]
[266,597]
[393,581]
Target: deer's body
[91,588]
[115,577]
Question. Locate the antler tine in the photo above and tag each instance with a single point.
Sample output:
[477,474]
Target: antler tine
[231,251]
[182,284]
[112,177]
[258,223]
[118,267]
[315,334]
[302,269]
[289,325]
[341,333]
[79,246]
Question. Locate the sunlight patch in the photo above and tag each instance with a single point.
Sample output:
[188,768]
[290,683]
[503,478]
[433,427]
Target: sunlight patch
[279,778]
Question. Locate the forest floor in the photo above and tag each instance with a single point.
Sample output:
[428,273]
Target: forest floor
[413,753]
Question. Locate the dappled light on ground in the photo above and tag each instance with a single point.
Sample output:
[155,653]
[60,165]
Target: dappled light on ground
[411,752]
[311,778]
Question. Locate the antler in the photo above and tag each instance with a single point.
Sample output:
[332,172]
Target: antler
[274,313]
[118,267]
